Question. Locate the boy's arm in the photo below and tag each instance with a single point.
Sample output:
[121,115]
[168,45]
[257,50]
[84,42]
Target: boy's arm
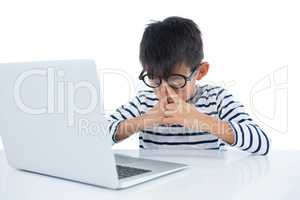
[130,126]
[129,118]
[131,110]
[248,136]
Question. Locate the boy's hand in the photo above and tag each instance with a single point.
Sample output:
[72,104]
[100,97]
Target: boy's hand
[178,111]
[171,109]
[155,116]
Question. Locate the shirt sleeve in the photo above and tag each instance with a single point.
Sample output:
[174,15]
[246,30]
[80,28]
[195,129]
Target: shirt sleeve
[248,136]
[131,109]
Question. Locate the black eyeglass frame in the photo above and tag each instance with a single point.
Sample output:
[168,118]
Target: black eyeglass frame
[186,78]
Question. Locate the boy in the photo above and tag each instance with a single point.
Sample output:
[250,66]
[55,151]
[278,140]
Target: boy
[177,113]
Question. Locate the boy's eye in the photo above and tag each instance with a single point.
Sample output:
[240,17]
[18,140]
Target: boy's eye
[176,81]
[152,82]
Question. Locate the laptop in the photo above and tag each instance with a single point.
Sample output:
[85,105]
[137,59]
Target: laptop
[52,123]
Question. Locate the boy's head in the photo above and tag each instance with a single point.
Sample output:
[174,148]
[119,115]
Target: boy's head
[171,52]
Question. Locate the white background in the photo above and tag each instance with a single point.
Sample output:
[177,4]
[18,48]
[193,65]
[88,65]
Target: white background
[250,45]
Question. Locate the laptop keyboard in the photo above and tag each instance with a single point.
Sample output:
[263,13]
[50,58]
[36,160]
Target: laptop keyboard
[125,172]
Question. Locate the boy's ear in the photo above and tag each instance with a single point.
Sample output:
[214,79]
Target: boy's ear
[202,71]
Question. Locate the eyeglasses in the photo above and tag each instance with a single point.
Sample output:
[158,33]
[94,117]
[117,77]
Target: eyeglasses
[175,81]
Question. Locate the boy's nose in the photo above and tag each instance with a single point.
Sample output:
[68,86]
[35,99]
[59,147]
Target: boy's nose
[163,84]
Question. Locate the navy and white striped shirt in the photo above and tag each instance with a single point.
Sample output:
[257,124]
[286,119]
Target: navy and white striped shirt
[211,100]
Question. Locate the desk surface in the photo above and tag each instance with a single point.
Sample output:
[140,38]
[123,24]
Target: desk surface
[212,175]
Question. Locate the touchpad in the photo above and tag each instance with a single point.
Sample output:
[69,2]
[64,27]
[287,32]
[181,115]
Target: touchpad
[122,159]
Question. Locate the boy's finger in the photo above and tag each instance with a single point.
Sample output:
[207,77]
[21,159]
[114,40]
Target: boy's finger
[162,91]
[169,113]
[163,102]
[169,120]
[163,95]
[172,94]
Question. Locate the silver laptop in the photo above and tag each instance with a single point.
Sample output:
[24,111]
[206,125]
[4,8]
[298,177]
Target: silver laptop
[52,123]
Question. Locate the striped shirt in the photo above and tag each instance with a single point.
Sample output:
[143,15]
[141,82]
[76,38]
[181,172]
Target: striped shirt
[211,100]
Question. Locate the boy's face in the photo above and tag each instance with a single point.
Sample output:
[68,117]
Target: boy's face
[189,89]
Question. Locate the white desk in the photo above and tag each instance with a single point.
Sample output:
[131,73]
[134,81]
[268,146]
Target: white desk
[212,175]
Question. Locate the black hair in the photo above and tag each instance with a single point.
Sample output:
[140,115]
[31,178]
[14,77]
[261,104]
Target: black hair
[169,43]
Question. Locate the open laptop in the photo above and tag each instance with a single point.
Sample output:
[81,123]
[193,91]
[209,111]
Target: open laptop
[52,123]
